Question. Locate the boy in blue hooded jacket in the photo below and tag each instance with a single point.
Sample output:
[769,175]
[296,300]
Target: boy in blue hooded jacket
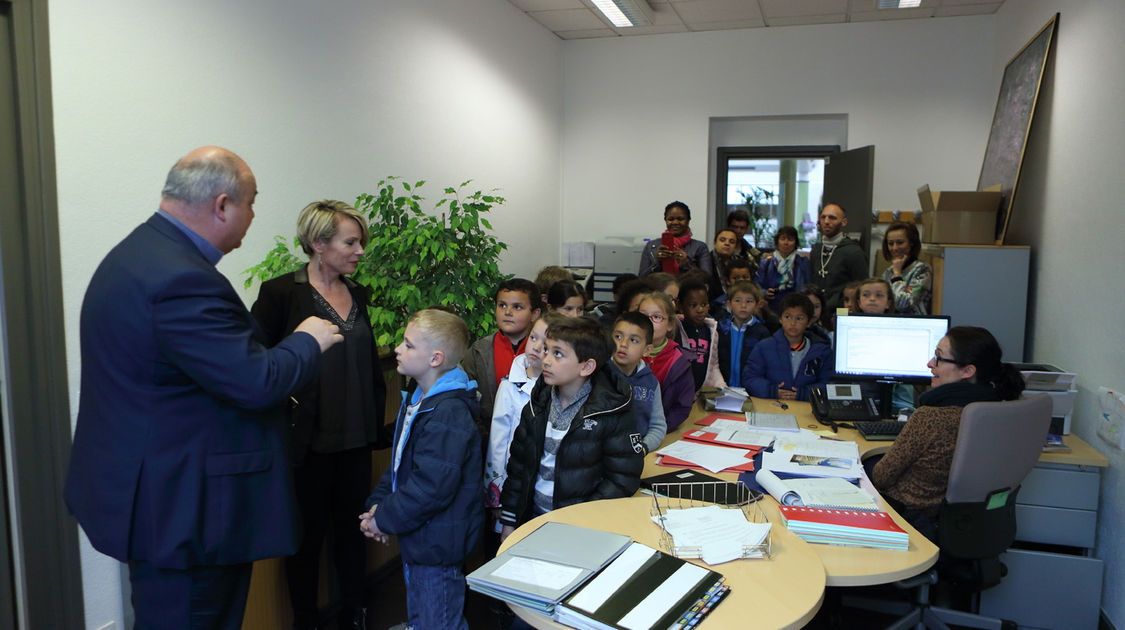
[430,497]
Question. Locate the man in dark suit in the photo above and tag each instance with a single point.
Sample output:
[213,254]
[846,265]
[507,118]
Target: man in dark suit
[179,460]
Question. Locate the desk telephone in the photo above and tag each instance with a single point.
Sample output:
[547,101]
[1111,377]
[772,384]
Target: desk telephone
[842,403]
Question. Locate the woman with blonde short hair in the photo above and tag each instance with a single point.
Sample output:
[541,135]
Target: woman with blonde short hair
[336,419]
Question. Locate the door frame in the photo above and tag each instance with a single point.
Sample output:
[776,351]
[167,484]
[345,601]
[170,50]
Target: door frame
[724,154]
[45,563]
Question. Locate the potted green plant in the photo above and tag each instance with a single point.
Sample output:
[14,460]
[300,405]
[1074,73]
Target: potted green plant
[759,205]
[416,259]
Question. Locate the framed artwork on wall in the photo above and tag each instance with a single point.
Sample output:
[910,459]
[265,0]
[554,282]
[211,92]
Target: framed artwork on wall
[1011,123]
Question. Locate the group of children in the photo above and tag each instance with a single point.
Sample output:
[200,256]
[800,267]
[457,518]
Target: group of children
[567,404]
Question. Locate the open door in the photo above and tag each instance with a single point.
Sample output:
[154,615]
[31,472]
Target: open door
[848,181]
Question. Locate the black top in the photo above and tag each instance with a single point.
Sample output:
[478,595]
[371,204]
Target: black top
[327,415]
[346,399]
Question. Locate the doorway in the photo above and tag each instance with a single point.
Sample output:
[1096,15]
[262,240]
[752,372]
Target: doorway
[775,186]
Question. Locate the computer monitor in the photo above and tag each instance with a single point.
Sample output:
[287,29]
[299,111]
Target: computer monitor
[888,349]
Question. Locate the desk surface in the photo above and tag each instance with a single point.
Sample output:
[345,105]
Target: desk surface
[843,566]
[784,591]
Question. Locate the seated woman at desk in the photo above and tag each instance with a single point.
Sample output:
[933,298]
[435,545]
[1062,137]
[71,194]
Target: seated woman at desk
[913,476]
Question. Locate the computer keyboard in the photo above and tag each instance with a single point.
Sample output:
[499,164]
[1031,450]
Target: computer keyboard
[879,429]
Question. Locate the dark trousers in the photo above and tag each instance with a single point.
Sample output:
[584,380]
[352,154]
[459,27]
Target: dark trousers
[331,489]
[198,598]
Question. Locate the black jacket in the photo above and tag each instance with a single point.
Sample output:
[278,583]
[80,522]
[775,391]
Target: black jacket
[435,501]
[600,457]
[282,304]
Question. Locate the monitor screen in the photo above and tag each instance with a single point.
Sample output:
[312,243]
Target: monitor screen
[893,347]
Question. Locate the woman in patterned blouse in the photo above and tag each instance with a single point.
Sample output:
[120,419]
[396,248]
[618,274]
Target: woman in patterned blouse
[910,278]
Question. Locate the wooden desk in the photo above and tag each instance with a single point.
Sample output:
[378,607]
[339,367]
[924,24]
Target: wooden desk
[784,591]
[843,566]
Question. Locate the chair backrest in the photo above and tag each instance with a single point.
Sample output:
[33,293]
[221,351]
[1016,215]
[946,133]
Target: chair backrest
[998,443]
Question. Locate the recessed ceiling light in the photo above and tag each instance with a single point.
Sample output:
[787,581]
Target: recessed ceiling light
[625,13]
[899,4]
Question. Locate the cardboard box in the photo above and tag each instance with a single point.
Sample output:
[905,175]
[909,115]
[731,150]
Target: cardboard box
[959,217]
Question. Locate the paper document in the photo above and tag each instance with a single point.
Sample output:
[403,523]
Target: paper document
[731,399]
[722,424]
[746,437]
[537,572]
[772,421]
[714,529]
[713,458]
[811,466]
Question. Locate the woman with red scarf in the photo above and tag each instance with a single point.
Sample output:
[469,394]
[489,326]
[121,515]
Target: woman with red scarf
[675,251]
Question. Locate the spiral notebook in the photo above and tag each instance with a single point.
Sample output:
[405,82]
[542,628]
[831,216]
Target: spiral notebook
[818,492]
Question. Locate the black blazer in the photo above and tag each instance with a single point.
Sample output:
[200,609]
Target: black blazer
[282,304]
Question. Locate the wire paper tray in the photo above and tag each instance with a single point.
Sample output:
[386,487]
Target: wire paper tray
[725,494]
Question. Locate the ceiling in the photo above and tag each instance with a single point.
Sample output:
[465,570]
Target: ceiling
[578,19]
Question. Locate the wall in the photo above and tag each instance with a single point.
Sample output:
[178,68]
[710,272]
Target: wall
[637,110]
[320,98]
[1068,210]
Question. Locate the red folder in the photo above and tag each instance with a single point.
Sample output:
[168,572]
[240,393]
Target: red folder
[710,437]
[709,419]
[845,518]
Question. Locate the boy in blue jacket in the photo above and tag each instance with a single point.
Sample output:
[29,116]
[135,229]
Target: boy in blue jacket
[788,364]
[740,331]
[430,497]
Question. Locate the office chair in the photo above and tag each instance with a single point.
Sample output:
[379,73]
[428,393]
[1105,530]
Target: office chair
[998,443]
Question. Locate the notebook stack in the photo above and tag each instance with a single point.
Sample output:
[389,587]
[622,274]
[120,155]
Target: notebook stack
[643,588]
[547,565]
[850,528]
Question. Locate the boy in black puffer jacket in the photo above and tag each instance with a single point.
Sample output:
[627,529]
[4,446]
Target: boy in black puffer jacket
[577,440]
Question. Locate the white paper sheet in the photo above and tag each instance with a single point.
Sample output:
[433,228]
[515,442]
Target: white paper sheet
[713,458]
[746,437]
[717,531]
[537,572]
[723,424]
[594,594]
[661,600]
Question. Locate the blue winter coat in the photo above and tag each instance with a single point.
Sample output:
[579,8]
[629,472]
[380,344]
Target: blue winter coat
[434,502]
[767,277]
[769,366]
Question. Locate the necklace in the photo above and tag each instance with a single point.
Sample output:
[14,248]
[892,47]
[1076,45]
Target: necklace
[824,260]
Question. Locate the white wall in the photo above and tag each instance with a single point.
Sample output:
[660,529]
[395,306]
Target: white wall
[321,99]
[637,110]
[1068,209]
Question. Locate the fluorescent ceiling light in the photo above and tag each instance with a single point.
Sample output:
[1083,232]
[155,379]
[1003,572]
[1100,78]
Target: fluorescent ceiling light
[625,13]
[899,4]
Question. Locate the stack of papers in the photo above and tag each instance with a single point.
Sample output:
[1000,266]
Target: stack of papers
[720,534]
[547,565]
[850,528]
[731,399]
[688,453]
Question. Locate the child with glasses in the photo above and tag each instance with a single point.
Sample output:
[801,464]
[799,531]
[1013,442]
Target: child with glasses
[667,361]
